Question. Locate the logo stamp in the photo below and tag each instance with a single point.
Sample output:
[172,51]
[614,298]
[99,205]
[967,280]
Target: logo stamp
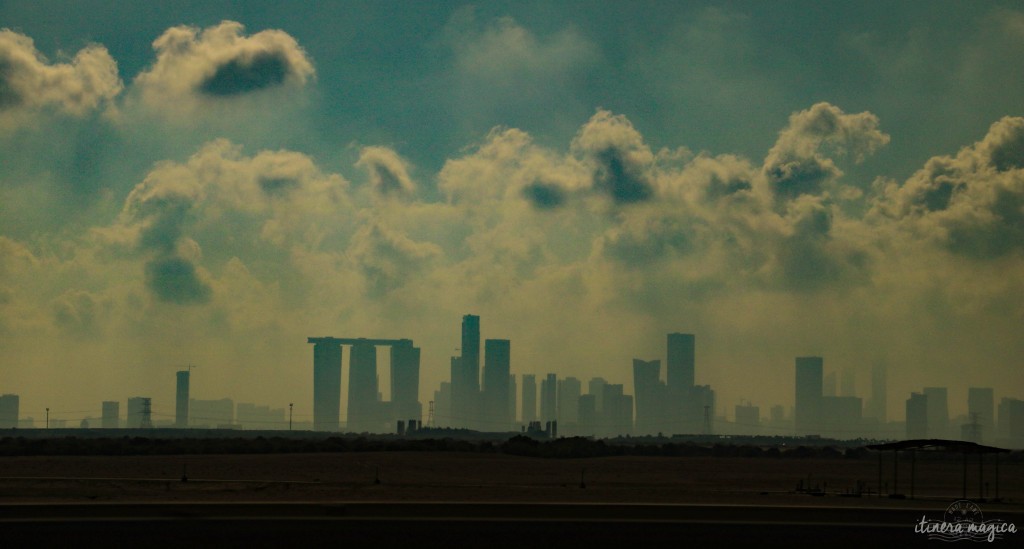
[964,521]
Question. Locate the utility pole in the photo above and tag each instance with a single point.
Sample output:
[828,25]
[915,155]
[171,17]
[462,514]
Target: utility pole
[290,416]
[430,416]
[47,418]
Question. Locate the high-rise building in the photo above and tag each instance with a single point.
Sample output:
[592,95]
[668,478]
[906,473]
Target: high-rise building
[680,365]
[569,390]
[512,392]
[748,419]
[529,412]
[181,400]
[616,417]
[981,412]
[363,408]
[877,406]
[326,384]
[808,394]
[549,398]
[848,383]
[596,387]
[405,381]
[588,420]
[828,385]
[1011,422]
[650,396]
[466,381]
[917,416]
[443,405]
[497,359]
[139,413]
[111,414]
[9,409]
[938,412]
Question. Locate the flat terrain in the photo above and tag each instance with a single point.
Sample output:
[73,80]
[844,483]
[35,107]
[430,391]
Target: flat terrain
[486,477]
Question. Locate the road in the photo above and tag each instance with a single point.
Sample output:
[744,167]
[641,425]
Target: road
[461,524]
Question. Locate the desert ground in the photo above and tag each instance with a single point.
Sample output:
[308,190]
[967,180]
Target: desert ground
[495,477]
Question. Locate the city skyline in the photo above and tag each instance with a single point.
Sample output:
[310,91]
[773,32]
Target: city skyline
[211,184]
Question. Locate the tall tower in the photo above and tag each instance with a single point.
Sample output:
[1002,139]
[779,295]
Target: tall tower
[878,408]
[938,412]
[181,400]
[647,389]
[362,389]
[497,363]
[549,398]
[466,385]
[326,383]
[981,408]
[680,365]
[809,370]
[111,414]
[405,381]
[529,412]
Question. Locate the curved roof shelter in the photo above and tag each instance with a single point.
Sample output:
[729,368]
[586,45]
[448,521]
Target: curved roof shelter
[937,445]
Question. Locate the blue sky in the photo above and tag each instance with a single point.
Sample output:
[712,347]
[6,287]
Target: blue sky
[781,179]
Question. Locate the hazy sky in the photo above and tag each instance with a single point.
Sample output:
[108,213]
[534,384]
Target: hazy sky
[211,183]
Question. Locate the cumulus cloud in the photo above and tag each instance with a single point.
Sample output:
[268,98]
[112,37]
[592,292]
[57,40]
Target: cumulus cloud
[971,203]
[30,83]
[618,155]
[389,174]
[196,66]
[799,164]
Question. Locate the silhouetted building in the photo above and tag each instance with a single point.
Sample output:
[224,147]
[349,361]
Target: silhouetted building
[9,405]
[938,412]
[443,405]
[139,413]
[828,385]
[587,424]
[363,408]
[181,400]
[878,407]
[650,396]
[111,414]
[569,390]
[1011,422]
[549,398]
[840,417]
[529,412]
[596,387]
[616,416]
[513,390]
[257,417]
[211,414]
[405,381]
[981,413]
[848,383]
[917,416]
[326,384]
[681,360]
[497,362]
[466,376]
[807,411]
[748,419]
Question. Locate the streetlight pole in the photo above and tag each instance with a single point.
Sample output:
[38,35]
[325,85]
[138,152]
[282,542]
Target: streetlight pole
[289,416]
[47,418]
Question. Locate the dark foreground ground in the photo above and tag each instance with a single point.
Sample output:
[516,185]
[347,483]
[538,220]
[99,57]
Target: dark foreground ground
[432,499]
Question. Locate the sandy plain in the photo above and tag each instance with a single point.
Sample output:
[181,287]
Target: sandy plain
[495,477]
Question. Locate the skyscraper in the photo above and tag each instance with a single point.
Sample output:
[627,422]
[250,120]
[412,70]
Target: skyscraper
[807,411]
[938,412]
[568,404]
[549,398]
[111,414]
[181,400]
[466,382]
[680,365]
[363,410]
[405,381]
[497,358]
[650,398]
[326,384]
[917,416]
[529,412]
[981,411]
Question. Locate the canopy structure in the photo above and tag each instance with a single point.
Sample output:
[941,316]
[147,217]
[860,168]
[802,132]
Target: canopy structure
[936,445]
